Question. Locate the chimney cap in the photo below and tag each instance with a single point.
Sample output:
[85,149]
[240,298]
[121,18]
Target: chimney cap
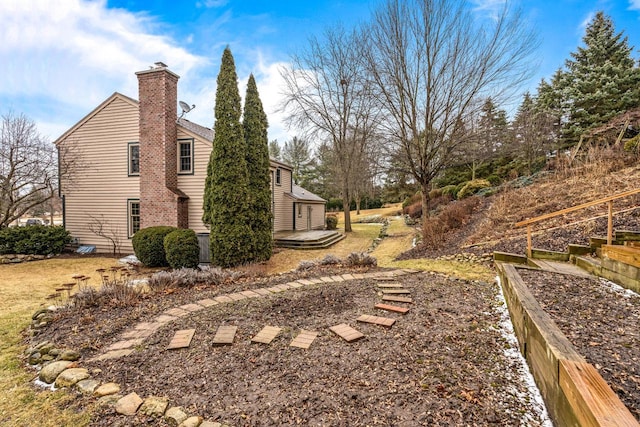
[160,64]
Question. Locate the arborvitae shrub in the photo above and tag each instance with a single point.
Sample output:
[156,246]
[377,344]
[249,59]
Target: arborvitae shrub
[332,222]
[449,190]
[148,245]
[34,240]
[182,249]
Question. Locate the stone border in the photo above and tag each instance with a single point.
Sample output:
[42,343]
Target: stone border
[68,374]
[573,390]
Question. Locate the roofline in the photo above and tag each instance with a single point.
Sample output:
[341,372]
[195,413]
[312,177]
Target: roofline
[115,95]
[279,163]
[298,199]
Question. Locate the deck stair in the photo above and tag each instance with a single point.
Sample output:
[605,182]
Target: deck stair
[317,239]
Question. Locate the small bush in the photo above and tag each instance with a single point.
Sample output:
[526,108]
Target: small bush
[361,259]
[472,187]
[188,277]
[449,190]
[332,222]
[34,240]
[435,193]
[330,260]
[433,232]
[182,249]
[414,210]
[411,200]
[148,245]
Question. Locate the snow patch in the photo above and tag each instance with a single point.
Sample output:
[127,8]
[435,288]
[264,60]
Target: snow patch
[614,287]
[513,355]
[44,385]
[130,260]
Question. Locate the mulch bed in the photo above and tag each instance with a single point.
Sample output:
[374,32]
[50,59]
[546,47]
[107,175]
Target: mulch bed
[443,363]
[601,321]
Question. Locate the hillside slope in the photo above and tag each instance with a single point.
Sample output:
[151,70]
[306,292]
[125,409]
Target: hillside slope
[492,227]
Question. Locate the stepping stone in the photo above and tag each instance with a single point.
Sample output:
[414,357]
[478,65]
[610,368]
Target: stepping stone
[397,299]
[266,335]
[337,278]
[223,299]
[225,335]
[346,332]
[181,339]
[237,296]
[384,278]
[207,302]
[382,321]
[389,285]
[393,308]
[304,339]
[305,282]
[250,294]
[396,291]
[262,291]
[191,307]
[176,312]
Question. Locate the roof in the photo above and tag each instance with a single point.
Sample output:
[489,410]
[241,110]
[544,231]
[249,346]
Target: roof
[299,194]
[204,132]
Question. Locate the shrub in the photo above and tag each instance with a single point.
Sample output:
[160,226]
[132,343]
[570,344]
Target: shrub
[472,187]
[360,259]
[414,210]
[332,222]
[330,259]
[411,200]
[449,190]
[148,245]
[34,240]
[435,193]
[182,249]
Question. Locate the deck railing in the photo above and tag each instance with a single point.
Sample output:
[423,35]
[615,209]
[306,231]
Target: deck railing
[608,200]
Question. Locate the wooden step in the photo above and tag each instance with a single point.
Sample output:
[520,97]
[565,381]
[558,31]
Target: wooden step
[550,255]
[627,235]
[626,254]
[579,249]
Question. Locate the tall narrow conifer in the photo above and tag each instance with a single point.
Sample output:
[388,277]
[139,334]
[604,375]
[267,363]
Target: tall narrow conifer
[226,186]
[259,214]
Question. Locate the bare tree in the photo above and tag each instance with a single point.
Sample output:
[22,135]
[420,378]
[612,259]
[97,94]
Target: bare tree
[432,61]
[101,227]
[28,168]
[328,94]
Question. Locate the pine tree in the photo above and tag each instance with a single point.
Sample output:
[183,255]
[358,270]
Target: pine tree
[274,150]
[601,80]
[257,157]
[296,153]
[533,131]
[226,186]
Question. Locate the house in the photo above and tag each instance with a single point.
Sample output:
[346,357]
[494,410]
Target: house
[139,165]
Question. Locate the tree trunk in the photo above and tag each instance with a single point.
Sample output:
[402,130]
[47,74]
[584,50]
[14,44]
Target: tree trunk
[346,208]
[425,199]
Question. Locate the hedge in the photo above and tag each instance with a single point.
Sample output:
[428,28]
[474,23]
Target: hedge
[34,240]
[182,249]
[148,245]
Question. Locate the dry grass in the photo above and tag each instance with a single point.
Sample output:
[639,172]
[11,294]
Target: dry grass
[22,290]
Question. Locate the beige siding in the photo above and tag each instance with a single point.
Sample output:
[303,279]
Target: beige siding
[302,216]
[101,188]
[193,185]
[282,205]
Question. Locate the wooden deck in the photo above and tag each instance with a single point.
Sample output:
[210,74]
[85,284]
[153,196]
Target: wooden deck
[312,239]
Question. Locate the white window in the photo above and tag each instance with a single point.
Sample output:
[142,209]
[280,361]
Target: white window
[133,209]
[134,159]
[185,156]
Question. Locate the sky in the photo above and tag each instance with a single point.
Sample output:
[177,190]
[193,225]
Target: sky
[59,59]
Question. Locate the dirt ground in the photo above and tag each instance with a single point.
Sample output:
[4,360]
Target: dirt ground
[443,363]
[601,321]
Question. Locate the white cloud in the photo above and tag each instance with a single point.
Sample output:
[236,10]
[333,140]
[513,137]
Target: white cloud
[76,52]
[212,3]
[634,4]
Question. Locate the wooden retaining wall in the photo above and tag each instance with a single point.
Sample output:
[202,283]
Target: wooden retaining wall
[574,392]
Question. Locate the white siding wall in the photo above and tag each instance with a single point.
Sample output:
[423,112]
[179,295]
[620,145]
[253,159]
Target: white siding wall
[101,188]
[317,216]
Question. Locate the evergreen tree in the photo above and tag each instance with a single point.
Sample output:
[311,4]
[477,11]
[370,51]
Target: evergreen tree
[601,80]
[296,153]
[274,150]
[257,157]
[533,131]
[226,186]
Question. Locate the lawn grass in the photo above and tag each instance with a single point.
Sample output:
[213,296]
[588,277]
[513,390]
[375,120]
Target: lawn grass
[23,289]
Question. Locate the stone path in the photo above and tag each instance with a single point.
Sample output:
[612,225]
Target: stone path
[225,335]
[266,335]
[138,333]
[181,339]
[346,332]
[304,339]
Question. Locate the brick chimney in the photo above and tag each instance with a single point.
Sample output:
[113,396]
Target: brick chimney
[161,202]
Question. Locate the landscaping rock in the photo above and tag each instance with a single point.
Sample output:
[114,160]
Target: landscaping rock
[35,358]
[175,416]
[191,422]
[71,376]
[44,349]
[129,404]
[50,372]
[154,406]
[107,389]
[87,386]
[71,355]
[55,352]
[109,400]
